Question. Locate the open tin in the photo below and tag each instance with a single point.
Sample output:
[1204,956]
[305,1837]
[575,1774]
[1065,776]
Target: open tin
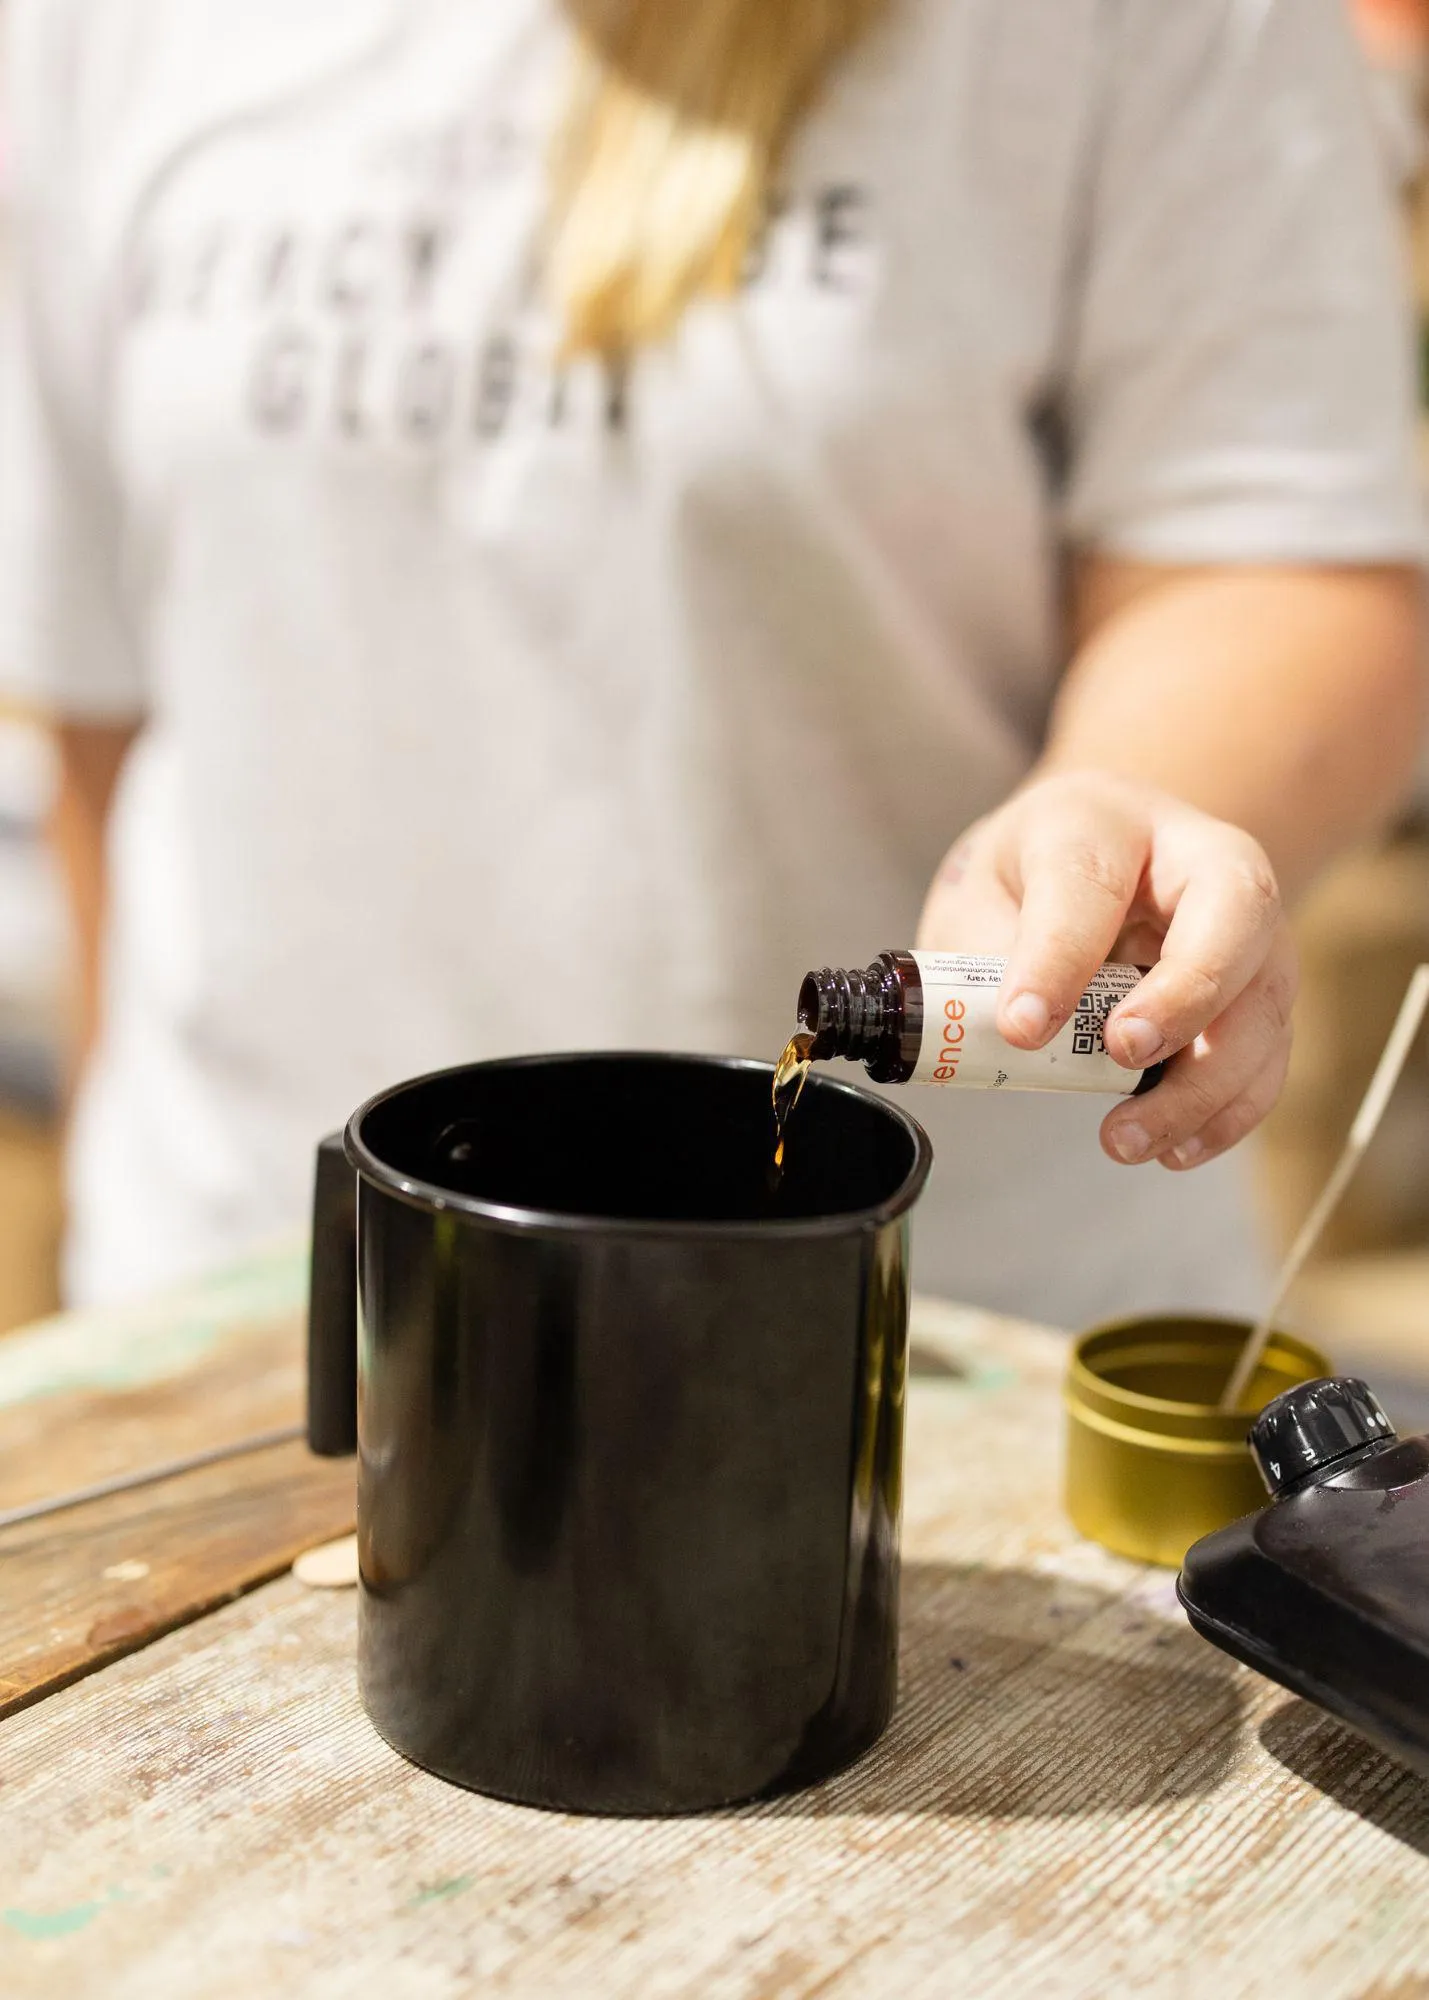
[1152,1464]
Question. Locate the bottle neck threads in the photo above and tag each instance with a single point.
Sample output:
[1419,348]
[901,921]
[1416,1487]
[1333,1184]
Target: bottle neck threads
[849,1013]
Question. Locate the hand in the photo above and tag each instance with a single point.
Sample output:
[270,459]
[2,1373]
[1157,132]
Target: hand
[1080,867]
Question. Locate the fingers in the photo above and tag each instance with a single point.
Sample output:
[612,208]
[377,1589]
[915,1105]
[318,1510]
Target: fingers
[967,908]
[1076,870]
[1226,916]
[1220,1087]
[1080,863]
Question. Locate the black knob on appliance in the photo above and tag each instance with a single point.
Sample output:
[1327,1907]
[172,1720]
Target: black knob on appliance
[1316,1425]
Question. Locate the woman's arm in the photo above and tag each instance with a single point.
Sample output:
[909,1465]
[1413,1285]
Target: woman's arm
[1288,701]
[1238,408]
[1218,732]
[90,758]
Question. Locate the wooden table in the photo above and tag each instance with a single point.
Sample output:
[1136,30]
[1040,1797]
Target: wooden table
[1077,1796]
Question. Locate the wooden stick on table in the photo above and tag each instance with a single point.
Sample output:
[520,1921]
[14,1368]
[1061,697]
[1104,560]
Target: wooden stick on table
[1381,1089]
[126,1482]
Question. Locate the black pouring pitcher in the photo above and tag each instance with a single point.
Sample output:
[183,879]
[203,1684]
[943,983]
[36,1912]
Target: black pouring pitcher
[1326,1590]
[628,1420]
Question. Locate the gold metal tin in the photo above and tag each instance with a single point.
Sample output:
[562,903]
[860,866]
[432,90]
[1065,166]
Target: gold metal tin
[1152,1464]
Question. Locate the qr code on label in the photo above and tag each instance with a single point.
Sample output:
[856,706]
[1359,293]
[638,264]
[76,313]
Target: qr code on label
[1089,1020]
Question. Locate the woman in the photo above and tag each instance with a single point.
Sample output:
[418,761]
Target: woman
[537,525]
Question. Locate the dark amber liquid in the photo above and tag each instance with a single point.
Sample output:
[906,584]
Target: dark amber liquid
[790,1074]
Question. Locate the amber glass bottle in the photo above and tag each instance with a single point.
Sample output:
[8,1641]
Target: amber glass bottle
[930,1017]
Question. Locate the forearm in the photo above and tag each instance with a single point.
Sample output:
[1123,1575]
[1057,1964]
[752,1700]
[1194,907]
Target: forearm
[90,758]
[1288,702]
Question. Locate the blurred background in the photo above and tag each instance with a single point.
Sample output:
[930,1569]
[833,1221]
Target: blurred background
[1363,932]
[1367,1294]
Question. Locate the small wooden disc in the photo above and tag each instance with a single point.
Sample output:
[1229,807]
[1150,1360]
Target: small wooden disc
[332,1566]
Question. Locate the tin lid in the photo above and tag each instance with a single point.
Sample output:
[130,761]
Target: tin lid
[1315,1425]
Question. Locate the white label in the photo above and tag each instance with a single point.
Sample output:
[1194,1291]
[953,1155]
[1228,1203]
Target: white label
[961,1043]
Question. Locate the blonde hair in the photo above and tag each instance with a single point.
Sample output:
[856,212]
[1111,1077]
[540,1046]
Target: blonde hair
[677,115]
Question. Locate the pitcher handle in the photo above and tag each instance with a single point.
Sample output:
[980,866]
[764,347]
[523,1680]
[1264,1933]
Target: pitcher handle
[332,1306]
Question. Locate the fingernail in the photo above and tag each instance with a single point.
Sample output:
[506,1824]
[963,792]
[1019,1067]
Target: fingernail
[1030,1015]
[1188,1152]
[1130,1142]
[1141,1043]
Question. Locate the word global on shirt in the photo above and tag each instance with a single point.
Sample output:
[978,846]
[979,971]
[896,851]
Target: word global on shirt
[356,326]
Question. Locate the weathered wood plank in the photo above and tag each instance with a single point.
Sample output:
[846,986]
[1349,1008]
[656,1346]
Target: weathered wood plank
[1077,1798]
[90,1394]
[82,1399]
[84,1587]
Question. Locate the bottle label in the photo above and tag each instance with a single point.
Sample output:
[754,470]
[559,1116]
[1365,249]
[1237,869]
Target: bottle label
[961,1043]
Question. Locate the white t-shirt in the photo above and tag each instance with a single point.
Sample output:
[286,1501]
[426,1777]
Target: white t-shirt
[489,708]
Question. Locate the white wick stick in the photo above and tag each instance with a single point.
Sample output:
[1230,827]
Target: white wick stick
[1381,1089]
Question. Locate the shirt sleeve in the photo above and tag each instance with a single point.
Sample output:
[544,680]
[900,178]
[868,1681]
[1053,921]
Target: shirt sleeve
[66,641]
[1240,384]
